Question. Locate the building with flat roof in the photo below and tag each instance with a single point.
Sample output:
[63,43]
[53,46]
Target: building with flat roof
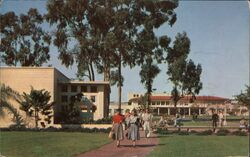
[61,89]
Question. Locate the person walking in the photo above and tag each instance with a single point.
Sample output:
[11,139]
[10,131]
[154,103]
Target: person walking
[134,127]
[177,120]
[127,127]
[221,118]
[117,127]
[147,122]
[215,118]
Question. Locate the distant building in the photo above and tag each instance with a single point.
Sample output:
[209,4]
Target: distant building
[61,89]
[162,104]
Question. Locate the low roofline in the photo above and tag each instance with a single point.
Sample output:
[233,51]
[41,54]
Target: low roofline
[25,67]
[85,82]
[28,67]
[198,98]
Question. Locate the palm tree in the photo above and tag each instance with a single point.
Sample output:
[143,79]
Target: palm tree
[37,102]
[6,94]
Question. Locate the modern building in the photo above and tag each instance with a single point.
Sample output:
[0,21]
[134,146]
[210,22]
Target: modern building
[162,104]
[61,89]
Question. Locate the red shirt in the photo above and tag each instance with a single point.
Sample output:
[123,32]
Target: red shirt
[118,118]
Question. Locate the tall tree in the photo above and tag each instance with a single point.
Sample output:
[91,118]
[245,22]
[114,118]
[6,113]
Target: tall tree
[148,73]
[6,94]
[151,50]
[244,97]
[23,41]
[37,103]
[104,32]
[183,73]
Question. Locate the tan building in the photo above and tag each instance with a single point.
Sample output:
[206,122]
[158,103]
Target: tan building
[203,105]
[61,89]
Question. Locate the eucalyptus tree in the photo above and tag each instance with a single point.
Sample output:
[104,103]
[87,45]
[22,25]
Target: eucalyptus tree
[23,40]
[151,49]
[7,94]
[147,74]
[37,103]
[104,32]
[182,72]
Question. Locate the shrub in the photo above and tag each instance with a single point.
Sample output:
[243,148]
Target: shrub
[107,120]
[222,132]
[15,127]
[63,129]
[183,133]
[175,131]
[193,132]
[170,122]
[239,133]
[206,132]
[162,131]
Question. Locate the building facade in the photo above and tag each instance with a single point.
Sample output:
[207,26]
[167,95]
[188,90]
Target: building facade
[60,87]
[203,105]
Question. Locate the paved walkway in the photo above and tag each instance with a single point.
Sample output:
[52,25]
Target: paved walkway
[144,147]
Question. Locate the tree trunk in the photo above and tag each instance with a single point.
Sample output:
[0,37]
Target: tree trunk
[106,72]
[36,118]
[119,84]
[92,72]
[90,76]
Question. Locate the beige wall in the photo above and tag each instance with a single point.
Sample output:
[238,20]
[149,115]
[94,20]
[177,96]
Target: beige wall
[21,80]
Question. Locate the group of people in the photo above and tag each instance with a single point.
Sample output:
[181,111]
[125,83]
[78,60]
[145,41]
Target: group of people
[132,121]
[218,118]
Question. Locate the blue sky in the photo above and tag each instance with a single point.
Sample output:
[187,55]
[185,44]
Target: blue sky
[219,34]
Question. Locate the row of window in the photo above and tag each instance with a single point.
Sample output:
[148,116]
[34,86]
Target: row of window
[65,98]
[64,88]
[164,103]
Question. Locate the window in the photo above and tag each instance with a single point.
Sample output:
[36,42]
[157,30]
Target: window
[64,98]
[158,102]
[163,103]
[73,98]
[93,89]
[153,103]
[84,89]
[73,88]
[167,103]
[64,88]
[92,98]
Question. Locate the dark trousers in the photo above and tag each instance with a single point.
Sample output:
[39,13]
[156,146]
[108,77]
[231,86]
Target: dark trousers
[214,125]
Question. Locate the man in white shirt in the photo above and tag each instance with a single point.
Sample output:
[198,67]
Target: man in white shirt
[147,119]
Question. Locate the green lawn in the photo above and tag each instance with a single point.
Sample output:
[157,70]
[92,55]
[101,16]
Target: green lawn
[201,146]
[49,144]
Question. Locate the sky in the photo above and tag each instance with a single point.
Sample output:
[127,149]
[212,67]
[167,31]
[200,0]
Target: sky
[219,32]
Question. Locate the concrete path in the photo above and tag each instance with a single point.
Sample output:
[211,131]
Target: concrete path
[143,148]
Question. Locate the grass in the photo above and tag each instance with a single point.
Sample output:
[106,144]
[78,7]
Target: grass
[201,146]
[209,123]
[48,144]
